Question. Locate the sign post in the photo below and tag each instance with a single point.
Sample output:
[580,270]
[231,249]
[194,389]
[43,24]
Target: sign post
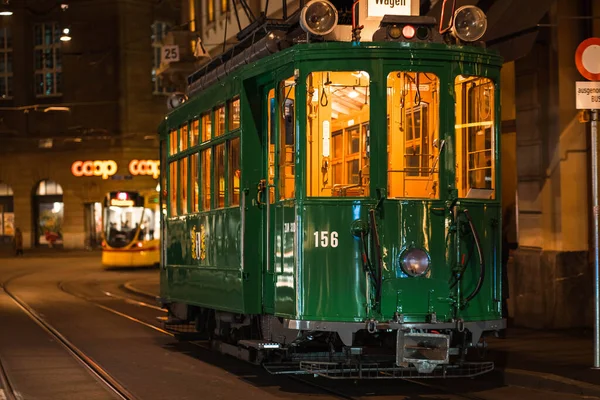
[587,60]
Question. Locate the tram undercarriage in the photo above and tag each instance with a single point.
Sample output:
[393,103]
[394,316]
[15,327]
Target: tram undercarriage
[375,350]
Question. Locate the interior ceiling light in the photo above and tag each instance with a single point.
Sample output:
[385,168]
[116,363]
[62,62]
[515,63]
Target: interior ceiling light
[5,9]
[470,23]
[353,94]
[318,17]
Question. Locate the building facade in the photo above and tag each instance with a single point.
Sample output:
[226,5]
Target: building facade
[65,103]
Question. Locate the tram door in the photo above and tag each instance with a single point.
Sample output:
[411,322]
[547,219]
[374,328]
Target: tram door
[269,118]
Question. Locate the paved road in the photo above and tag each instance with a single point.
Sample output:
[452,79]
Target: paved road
[93,310]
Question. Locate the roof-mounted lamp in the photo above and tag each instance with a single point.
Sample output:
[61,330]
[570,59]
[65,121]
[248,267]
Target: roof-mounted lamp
[318,17]
[469,24]
[5,8]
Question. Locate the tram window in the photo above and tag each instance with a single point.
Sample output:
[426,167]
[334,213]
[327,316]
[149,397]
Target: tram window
[220,121]
[206,127]
[287,139]
[413,134]
[194,132]
[173,142]
[173,187]
[234,171]
[271,131]
[205,159]
[338,116]
[183,185]
[220,175]
[234,114]
[163,174]
[475,173]
[194,181]
[183,137]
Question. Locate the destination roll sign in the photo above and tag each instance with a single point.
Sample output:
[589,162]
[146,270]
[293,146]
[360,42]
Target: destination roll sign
[379,8]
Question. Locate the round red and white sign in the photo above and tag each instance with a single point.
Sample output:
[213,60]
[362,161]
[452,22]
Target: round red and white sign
[587,59]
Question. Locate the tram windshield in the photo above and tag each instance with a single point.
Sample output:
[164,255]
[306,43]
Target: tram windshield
[338,156]
[122,225]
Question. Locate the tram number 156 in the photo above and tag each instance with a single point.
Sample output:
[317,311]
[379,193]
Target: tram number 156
[326,239]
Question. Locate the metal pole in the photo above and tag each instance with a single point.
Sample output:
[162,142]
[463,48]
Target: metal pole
[595,195]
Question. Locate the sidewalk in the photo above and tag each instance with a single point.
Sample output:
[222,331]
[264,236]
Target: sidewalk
[550,360]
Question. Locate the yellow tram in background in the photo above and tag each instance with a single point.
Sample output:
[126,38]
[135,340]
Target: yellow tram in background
[131,230]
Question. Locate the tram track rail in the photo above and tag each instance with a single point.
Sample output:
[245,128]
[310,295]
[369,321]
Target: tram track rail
[203,345]
[103,376]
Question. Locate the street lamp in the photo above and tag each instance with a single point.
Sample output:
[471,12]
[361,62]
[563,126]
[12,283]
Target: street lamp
[6,9]
[65,36]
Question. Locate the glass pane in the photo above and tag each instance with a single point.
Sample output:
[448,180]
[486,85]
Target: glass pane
[234,172]
[9,81]
[9,61]
[220,121]
[38,59]
[206,127]
[37,35]
[220,175]
[194,132]
[183,137]
[48,59]
[194,181]
[287,138]
[173,142]
[173,187]
[205,173]
[338,158]
[234,114]
[475,173]
[39,84]
[413,131]
[183,185]
[48,34]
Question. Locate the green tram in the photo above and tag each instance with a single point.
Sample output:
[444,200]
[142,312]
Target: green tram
[333,207]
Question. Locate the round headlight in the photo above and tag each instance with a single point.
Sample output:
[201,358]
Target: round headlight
[469,23]
[318,17]
[415,262]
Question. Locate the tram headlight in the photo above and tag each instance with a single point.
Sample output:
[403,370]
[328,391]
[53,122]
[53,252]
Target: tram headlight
[318,17]
[469,23]
[415,262]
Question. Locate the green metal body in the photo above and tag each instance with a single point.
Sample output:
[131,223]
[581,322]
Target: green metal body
[296,279]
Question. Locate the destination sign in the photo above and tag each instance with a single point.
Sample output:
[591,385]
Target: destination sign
[379,8]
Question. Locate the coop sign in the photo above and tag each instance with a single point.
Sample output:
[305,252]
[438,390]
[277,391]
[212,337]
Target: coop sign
[103,168]
[145,167]
[379,8]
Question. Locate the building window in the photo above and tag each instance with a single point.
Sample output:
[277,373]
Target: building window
[6,55]
[159,32]
[47,59]
[224,6]
[210,11]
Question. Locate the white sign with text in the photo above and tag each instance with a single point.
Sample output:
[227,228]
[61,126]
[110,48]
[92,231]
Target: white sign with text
[170,54]
[379,8]
[587,95]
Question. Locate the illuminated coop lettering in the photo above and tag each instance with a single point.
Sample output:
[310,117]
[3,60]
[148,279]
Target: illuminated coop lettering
[145,167]
[103,168]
